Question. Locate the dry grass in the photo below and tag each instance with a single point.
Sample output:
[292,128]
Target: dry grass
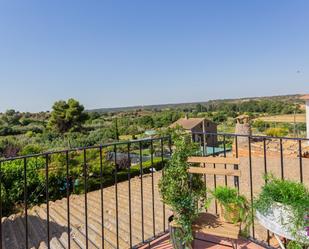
[287,118]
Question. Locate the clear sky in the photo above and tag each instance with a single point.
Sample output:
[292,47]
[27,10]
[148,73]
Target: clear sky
[138,52]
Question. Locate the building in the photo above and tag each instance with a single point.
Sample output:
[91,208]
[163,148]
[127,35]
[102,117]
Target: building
[197,126]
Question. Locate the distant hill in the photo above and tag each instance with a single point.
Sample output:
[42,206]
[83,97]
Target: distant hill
[287,98]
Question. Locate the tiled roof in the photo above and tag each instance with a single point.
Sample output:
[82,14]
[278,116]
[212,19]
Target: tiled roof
[187,123]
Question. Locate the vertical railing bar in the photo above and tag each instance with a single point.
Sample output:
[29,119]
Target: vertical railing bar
[102,195]
[86,190]
[152,185]
[142,191]
[170,145]
[26,202]
[68,198]
[236,178]
[281,159]
[265,172]
[163,164]
[300,161]
[251,187]
[215,177]
[116,195]
[265,158]
[236,145]
[224,154]
[203,144]
[204,154]
[129,186]
[0,205]
[47,200]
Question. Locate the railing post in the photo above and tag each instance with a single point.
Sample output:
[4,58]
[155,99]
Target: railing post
[152,190]
[224,154]
[281,159]
[47,200]
[162,162]
[116,195]
[102,195]
[68,198]
[251,186]
[26,202]
[300,161]
[265,172]
[129,187]
[142,190]
[236,178]
[86,201]
[0,205]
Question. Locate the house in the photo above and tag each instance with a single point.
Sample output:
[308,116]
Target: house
[197,126]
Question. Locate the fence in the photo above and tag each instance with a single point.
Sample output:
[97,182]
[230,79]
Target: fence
[283,157]
[89,198]
[101,179]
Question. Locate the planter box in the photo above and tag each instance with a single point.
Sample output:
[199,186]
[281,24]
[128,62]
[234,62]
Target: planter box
[279,220]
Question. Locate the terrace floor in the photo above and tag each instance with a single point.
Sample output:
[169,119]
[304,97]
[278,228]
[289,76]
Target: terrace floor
[153,221]
[164,243]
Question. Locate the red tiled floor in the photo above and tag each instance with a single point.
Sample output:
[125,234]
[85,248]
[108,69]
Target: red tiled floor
[164,243]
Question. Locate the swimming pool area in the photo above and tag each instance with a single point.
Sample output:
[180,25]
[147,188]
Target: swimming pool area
[215,150]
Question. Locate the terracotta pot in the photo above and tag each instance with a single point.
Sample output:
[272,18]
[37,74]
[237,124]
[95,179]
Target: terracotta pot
[231,215]
[173,230]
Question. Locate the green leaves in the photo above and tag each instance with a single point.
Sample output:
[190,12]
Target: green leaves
[236,206]
[176,190]
[67,116]
[292,194]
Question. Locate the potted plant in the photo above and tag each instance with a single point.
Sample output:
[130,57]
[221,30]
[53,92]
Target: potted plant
[233,207]
[282,207]
[181,193]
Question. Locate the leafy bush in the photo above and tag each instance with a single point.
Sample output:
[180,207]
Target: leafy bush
[276,132]
[31,149]
[292,194]
[261,125]
[12,184]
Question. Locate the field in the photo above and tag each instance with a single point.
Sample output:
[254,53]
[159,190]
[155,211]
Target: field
[286,118]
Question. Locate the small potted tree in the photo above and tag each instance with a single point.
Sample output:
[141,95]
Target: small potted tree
[282,207]
[181,193]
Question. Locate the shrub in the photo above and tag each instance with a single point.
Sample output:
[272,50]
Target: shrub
[292,194]
[261,125]
[31,149]
[178,193]
[276,132]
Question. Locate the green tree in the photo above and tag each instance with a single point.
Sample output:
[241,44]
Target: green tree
[11,117]
[67,116]
[219,117]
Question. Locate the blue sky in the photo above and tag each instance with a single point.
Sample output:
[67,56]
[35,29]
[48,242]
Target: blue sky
[137,52]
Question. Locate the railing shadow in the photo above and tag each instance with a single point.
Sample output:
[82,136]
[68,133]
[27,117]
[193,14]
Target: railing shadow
[14,233]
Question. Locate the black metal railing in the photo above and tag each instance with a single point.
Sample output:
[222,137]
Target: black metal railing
[96,168]
[61,172]
[262,155]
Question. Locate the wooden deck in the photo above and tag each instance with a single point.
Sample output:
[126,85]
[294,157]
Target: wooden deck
[216,243]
